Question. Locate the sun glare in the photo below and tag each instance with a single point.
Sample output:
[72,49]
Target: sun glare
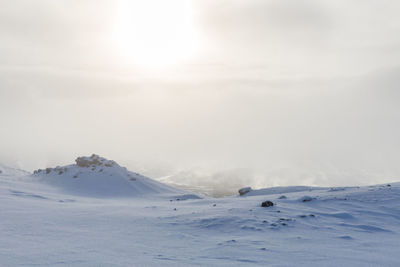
[155,33]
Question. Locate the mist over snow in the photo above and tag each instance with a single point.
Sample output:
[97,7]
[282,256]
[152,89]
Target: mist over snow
[305,93]
[204,133]
[69,215]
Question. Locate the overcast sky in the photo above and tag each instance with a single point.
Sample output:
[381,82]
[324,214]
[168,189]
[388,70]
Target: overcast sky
[289,92]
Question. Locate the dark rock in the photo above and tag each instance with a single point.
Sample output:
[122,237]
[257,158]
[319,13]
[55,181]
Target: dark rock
[306,199]
[87,162]
[267,204]
[75,176]
[244,190]
[48,170]
[82,162]
[282,197]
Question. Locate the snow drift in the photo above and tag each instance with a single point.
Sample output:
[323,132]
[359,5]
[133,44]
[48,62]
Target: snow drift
[305,226]
[95,176]
[7,171]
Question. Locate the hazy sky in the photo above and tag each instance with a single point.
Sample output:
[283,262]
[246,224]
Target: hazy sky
[275,93]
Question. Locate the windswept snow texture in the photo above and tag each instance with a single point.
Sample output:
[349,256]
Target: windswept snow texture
[95,176]
[6,171]
[42,225]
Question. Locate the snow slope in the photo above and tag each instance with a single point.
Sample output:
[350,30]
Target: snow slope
[95,176]
[7,171]
[50,224]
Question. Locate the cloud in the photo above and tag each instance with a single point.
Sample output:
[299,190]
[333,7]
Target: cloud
[62,33]
[282,92]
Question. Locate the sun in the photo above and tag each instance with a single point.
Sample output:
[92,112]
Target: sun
[155,33]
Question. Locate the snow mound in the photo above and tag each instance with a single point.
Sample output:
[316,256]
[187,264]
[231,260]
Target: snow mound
[95,176]
[7,171]
[305,199]
[279,190]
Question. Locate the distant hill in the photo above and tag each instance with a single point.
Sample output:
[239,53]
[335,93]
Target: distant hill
[95,176]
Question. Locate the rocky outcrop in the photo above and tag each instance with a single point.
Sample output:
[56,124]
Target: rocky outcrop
[93,160]
[84,162]
[244,190]
[99,177]
[267,204]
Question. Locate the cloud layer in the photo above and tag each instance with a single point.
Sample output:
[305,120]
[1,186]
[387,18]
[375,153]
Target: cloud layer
[287,92]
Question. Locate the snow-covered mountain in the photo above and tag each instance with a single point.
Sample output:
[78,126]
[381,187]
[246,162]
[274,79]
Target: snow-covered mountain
[95,176]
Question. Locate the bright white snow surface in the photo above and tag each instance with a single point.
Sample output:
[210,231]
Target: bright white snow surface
[98,177]
[55,219]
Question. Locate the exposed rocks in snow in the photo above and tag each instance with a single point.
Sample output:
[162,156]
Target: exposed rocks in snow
[283,197]
[93,161]
[306,199]
[267,204]
[100,177]
[338,231]
[244,190]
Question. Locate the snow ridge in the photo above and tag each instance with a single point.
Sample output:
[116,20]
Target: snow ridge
[96,176]
[7,171]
